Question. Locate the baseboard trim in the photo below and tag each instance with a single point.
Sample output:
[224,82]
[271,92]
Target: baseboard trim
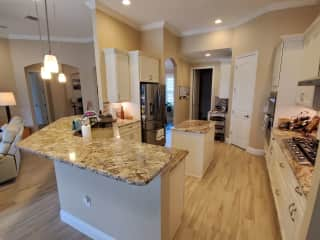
[228,140]
[83,227]
[255,151]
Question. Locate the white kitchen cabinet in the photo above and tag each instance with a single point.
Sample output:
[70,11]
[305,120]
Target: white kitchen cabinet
[310,64]
[142,69]
[277,66]
[117,75]
[287,73]
[289,200]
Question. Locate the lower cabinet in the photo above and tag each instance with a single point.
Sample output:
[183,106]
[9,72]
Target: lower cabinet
[289,199]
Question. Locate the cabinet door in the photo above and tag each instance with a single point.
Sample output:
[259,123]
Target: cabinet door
[277,67]
[149,69]
[123,77]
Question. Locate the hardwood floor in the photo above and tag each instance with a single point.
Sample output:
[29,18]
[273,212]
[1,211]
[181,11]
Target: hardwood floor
[232,201]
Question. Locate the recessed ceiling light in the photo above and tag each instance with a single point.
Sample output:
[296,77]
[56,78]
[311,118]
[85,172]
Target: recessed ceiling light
[218,21]
[208,54]
[126,2]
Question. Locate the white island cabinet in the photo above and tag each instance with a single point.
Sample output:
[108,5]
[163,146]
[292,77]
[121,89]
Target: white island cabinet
[197,137]
[113,188]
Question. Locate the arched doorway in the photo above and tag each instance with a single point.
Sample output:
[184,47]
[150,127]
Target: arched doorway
[51,99]
[170,79]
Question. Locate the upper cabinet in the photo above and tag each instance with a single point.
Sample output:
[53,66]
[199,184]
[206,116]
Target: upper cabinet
[142,69]
[277,67]
[310,64]
[118,75]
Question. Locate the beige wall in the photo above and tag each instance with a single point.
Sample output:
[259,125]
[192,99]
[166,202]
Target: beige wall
[7,82]
[112,33]
[25,53]
[261,34]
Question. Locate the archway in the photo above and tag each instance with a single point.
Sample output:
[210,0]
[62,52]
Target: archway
[170,82]
[51,99]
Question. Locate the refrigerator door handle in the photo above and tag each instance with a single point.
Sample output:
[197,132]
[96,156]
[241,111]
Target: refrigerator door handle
[151,108]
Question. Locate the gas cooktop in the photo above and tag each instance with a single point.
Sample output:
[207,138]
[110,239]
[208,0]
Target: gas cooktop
[303,149]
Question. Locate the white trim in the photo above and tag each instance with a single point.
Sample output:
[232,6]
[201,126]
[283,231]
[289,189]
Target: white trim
[104,8]
[248,54]
[259,12]
[255,151]
[91,4]
[228,140]
[83,227]
[210,60]
[53,39]
[292,37]
[160,25]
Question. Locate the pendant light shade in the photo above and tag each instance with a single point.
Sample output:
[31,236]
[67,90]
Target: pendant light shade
[51,63]
[45,74]
[62,78]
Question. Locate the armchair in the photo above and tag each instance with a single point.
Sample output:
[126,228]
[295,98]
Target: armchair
[9,154]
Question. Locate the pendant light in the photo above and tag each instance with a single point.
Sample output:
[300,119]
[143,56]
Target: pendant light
[46,75]
[62,78]
[50,62]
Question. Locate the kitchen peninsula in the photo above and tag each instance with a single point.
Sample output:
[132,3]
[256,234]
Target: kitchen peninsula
[107,185]
[198,137]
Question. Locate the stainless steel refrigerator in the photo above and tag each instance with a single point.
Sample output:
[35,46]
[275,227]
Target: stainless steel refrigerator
[153,118]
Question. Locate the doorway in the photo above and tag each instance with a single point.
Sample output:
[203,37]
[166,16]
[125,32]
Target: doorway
[242,100]
[170,78]
[202,89]
[51,99]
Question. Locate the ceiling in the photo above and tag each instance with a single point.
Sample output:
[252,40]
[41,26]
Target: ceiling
[71,20]
[217,55]
[189,17]
[68,19]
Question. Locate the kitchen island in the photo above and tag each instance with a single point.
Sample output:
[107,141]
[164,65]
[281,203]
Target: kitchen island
[198,137]
[111,188]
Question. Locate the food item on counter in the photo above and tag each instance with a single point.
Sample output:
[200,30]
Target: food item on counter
[284,123]
[313,125]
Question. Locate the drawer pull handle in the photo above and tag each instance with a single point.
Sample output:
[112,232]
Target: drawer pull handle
[299,190]
[282,165]
[292,211]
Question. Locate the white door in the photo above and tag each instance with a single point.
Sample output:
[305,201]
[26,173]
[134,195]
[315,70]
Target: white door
[242,100]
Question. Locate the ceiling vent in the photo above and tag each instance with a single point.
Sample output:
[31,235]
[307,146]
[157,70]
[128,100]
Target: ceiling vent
[32,18]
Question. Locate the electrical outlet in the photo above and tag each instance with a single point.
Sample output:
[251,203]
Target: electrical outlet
[87,201]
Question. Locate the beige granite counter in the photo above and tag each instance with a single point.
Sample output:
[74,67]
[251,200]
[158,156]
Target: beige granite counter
[195,126]
[303,173]
[125,122]
[128,161]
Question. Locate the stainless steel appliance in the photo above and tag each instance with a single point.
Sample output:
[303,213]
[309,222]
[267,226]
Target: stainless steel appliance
[269,112]
[303,149]
[153,118]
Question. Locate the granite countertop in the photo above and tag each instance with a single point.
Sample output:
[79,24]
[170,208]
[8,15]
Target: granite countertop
[303,173]
[125,122]
[129,161]
[195,126]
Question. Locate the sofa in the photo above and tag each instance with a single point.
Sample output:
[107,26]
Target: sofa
[10,158]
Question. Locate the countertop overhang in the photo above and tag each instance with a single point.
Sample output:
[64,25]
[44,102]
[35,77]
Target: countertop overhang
[129,161]
[194,126]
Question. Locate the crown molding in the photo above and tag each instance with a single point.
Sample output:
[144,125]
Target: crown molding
[261,11]
[292,37]
[212,60]
[160,25]
[53,39]
[102,7]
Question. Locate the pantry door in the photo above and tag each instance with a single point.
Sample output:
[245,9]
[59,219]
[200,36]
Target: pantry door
[243,96]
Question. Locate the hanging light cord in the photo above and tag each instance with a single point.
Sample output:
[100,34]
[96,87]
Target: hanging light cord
[37,14]
[48,30]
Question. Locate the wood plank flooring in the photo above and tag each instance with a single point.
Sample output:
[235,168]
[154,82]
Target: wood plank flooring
[233,201]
